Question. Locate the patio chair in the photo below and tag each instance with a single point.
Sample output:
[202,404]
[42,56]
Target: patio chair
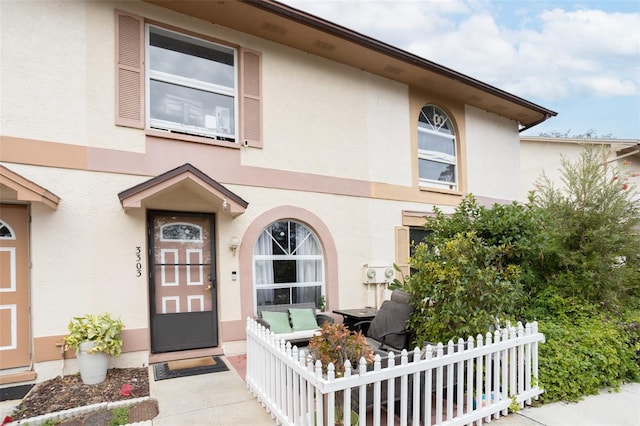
[388,329]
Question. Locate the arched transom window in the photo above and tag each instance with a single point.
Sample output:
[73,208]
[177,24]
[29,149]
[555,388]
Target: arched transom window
[288,265]
[181,232]
[6,233]
[437,153]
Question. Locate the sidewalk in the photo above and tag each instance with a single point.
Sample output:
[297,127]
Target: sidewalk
[606,409]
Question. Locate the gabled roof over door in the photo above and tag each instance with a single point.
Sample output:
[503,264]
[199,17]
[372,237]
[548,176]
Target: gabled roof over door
[165,192]
[16,188]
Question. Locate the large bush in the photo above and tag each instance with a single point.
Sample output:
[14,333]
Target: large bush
[591,250]
[587,352]
[468,272]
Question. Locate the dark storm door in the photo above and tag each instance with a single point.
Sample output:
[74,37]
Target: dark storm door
[182,283]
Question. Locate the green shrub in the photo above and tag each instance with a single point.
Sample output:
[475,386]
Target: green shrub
[585,354]
[463,287]
[590,244]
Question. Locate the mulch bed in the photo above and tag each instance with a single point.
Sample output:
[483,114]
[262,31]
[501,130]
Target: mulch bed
[63,393]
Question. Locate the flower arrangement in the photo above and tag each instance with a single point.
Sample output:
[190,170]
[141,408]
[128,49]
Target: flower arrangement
[336,344]
[101,329]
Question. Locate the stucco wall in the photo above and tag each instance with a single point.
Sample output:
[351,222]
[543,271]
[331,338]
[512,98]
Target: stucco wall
[493,155]
[319,117]
[83,253]
[538,157]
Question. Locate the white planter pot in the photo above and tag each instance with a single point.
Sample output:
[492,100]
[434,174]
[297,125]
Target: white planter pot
[93,366]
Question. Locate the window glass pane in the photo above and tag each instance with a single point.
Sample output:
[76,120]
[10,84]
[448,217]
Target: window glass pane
[309,270]
[276,296]
[307,294]
[284,271]
[433,142]
[5,232]
[191,109]
[179,231]
[264,271]
[281,296]
[437,171]
[433,118]
[280,236]
[416,235]
[191,58]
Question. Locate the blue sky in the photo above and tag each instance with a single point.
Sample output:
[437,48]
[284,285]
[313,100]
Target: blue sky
[578,58]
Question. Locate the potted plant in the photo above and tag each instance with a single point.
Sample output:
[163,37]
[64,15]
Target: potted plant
[337,344]
[94,338]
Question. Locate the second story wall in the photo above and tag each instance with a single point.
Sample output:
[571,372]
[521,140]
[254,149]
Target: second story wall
[318,117]
[493,153]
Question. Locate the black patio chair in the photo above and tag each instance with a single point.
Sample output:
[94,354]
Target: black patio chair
[388,329]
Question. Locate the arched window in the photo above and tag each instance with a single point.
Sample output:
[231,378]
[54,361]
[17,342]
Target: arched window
[6,233]
[437,152]
[181,231]
[288,265]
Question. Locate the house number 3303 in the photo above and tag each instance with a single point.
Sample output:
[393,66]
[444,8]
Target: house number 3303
[138,261]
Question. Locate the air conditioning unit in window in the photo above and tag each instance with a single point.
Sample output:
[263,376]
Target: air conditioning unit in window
[378,274]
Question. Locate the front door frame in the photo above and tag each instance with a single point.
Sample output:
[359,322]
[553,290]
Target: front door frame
[169,331]
[15,345]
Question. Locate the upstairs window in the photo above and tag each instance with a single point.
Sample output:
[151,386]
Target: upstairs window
[191,85]
[437,152]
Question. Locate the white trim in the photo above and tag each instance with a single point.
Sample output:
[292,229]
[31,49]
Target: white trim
[192,298]
[175,299]
[14,327]
[163,274]
[177,80]
[12,270]
[200,267]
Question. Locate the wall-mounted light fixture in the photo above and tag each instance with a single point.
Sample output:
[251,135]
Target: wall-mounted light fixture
[233,245]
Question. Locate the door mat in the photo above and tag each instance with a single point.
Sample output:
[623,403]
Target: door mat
[14,392]
[188,367]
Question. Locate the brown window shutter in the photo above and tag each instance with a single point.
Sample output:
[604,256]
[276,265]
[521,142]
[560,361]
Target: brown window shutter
[129,70]
[251,108]
[402,249]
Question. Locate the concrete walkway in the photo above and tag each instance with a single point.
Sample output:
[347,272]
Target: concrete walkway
[606,409]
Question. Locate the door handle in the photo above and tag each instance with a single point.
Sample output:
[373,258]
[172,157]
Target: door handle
[209,287]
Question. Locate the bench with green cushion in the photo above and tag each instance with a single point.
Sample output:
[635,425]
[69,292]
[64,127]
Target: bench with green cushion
[295,322]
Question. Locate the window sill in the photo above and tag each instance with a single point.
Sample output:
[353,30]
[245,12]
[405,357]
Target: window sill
[190,138]
[441,190]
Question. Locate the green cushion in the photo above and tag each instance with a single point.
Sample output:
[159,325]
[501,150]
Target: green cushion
[278,321]
[303,319]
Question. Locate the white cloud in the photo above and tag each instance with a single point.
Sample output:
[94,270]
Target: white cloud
[549,54]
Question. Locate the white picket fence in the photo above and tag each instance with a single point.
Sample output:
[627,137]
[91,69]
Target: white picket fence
[455,384]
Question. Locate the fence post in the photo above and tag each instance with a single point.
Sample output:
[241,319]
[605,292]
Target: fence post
[488,358]
[470,345]
[391,392]
[495,388]
[460,381]
[478,367]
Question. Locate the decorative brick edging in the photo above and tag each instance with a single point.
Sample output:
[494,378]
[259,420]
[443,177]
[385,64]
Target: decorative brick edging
[81,411]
